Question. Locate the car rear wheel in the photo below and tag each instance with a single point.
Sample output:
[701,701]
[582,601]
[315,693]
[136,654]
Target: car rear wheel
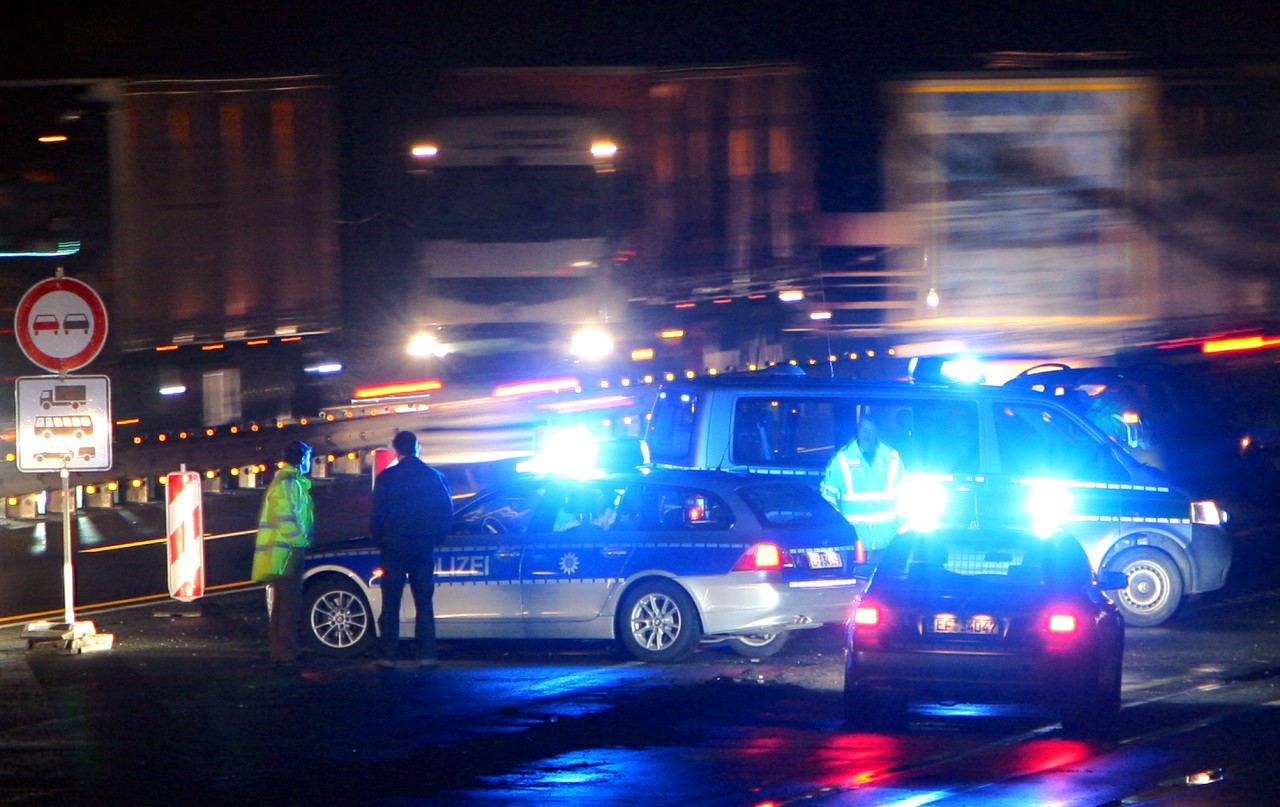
[866,708]
[762,646]
[1155,586]
[658,621]
[1093,709]
[339,621]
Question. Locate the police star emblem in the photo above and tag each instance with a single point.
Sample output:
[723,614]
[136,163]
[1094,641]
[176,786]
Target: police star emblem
[569,563]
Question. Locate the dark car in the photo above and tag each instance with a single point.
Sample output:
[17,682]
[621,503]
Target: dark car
[981,616]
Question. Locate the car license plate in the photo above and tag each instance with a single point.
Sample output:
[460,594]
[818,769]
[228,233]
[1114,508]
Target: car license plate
[981,625]
[824,559]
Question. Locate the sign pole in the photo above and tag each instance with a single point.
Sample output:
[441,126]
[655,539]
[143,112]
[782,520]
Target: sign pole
[61,325]
[68,570]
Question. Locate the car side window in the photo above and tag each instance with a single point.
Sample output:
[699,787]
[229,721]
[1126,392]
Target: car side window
[500,512]
[799,430]
[670,507]
[1034,441]
[587,507]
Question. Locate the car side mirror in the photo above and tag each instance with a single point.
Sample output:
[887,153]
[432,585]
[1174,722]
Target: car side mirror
[1109,581]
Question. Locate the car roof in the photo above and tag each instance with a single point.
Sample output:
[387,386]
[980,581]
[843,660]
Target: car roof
[699,477]
[810,385]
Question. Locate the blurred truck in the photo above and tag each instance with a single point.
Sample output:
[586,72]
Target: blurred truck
[225,209]
[553,201]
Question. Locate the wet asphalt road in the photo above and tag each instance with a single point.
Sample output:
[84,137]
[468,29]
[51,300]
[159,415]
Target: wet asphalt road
[187,710]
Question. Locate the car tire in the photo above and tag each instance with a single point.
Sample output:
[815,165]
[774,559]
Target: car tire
[867,708]
[1155,586]
[338,620]
[1092,709]
[762,646]
[658,621]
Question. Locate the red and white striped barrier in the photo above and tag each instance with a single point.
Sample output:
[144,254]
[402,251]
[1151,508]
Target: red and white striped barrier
[184,520]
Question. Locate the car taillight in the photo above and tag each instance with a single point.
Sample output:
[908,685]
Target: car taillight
[859,552]
[1061,629]
[1062,623]
[866,616]
[760,558]
[867,624]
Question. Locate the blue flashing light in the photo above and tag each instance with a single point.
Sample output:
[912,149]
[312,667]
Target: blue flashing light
[569,451]
[965,370]
[1049,505]
[921,501]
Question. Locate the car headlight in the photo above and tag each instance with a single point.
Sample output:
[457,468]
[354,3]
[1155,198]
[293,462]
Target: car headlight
[1207,512]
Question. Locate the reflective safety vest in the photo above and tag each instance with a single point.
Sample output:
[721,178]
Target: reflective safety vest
[864,491]
[285,525]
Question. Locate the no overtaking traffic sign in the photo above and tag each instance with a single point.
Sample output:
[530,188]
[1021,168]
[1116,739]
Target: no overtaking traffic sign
[61,324]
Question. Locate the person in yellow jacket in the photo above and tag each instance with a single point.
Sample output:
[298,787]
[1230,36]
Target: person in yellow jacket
[285,530]
[861,481]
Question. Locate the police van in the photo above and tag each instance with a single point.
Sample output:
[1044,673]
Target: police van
[971,455]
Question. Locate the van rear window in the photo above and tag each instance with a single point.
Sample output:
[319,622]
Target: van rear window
[670,432]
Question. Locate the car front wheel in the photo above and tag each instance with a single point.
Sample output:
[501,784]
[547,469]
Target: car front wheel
[658,621]
[339,621]
[1155,587]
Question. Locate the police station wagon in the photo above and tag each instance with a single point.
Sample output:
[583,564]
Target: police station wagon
[973,455]
[656,560]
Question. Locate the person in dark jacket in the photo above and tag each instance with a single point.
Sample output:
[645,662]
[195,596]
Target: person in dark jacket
[412,509]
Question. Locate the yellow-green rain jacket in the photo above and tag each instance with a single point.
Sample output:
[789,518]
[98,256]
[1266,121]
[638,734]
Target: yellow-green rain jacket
[285,524]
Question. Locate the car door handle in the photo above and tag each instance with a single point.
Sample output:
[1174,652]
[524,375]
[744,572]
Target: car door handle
[506,554]
[614,551]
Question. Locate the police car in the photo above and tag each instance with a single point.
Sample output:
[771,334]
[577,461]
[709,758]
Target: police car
[972,455]
[985,616]
[658,560]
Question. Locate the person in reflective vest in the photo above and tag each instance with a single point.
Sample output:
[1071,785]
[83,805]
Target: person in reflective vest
[285,529]
[861,481]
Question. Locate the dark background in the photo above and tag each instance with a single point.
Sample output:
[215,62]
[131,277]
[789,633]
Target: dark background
[382,55]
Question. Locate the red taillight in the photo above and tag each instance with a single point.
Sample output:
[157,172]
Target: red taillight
[859,552]
[866,616]
[1062,623]
[760,558]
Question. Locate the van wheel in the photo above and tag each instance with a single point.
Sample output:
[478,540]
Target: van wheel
[1155,587]
[762,646]
[658,621]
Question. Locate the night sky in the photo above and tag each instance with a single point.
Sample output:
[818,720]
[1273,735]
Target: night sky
[57,37]
[379,54]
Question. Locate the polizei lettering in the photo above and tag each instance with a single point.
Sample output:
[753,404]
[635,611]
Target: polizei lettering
[462,565]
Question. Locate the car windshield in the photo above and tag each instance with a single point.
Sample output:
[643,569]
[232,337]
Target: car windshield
[981,559]
[789,505]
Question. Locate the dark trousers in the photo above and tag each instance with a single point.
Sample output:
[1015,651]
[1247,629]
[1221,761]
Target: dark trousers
[420,572]
[286,613]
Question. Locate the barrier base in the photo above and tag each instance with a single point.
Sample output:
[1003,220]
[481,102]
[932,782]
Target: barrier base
[64,637]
